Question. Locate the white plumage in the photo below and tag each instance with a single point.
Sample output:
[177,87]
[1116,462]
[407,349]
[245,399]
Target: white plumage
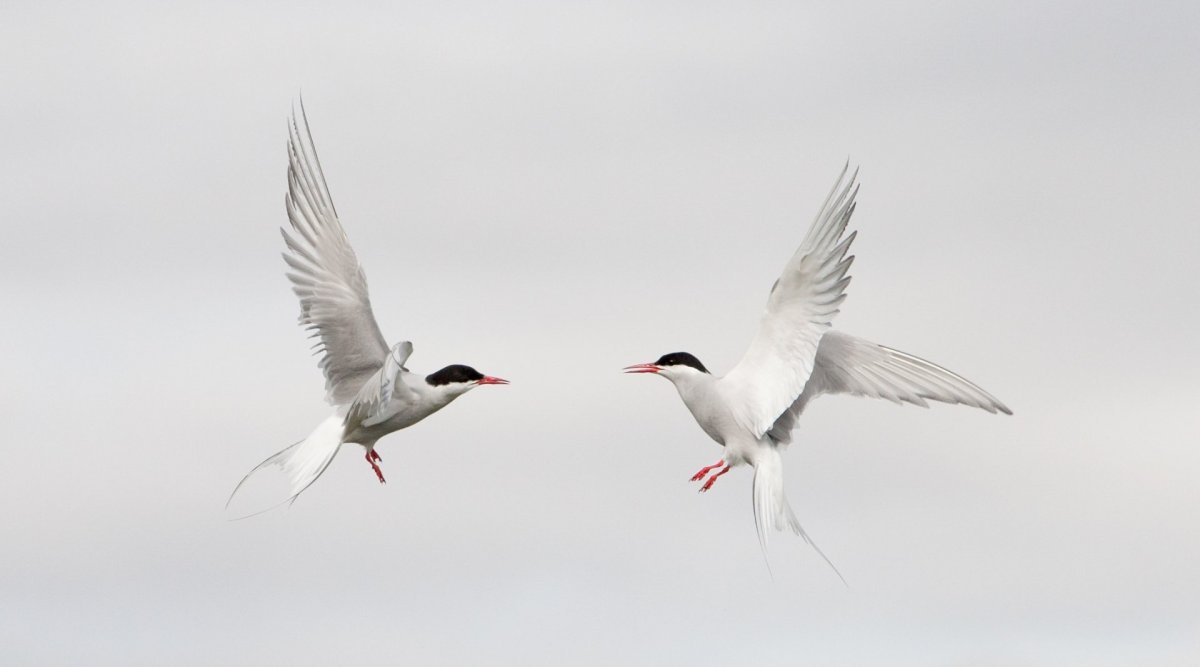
[371,390]
[800,308]
[795,357]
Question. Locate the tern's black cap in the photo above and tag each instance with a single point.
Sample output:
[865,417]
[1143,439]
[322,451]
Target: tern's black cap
[453,373]
[681,359]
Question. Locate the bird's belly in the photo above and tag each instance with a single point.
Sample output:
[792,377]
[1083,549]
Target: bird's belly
[711,412]
[404,417]
[712,428]
[717,424]
[721,426]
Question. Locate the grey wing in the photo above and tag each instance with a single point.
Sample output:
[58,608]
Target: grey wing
[800,308]
[327,277]
[373,403]
[848,365]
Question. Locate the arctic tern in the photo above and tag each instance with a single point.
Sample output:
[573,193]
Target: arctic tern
[371,389]
[796,357]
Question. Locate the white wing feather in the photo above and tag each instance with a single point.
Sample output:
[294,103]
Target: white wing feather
[849,365]
[802,303]
[390,373]
[327,277]
[374,401]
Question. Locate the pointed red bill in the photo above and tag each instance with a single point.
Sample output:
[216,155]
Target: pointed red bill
[642,368]
[487,379]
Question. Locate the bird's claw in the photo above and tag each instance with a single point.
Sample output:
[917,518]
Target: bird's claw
[372,457]
[704,471]
[711,480]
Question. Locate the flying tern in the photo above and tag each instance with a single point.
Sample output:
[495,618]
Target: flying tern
[795,357]
[372,390]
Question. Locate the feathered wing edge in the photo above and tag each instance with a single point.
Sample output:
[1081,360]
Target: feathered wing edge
[326,275]
[801,306]
[846,364]
[916,379]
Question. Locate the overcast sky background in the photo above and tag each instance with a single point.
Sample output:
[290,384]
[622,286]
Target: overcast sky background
[549,192]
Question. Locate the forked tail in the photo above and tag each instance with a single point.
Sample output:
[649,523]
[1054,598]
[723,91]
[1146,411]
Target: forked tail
[302,462]
[771,509]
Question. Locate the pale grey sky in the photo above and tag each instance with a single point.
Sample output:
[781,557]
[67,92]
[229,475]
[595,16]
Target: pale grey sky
[549,192]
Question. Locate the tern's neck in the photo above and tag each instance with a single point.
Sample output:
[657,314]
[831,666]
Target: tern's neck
[699,394]
[441,395]
[693,386]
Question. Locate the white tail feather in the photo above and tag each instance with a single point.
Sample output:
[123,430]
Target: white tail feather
[771,509]
[302,462]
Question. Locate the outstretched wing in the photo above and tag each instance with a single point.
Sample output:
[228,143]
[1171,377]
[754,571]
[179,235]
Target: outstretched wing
[849,365]
[326,275]
[801,306]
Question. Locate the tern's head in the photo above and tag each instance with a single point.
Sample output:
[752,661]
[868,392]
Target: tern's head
[458,379]
[674,366]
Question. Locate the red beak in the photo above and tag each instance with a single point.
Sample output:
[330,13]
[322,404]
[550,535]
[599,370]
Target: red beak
[642,368]
[487,379]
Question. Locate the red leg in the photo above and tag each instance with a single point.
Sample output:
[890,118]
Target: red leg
[375,467]
[375,456]
[704,471]
[709,483]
